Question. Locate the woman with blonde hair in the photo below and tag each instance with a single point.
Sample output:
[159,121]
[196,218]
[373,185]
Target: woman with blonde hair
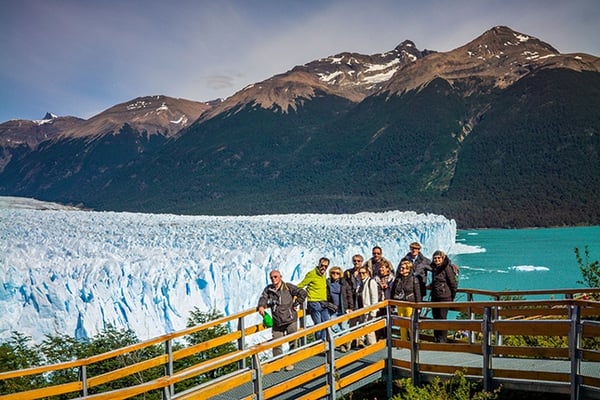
[406,288]
[336,301]
[368,294]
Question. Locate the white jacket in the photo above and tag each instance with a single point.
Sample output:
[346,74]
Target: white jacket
[370,294]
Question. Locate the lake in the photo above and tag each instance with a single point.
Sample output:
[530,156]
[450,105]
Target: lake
[521,259]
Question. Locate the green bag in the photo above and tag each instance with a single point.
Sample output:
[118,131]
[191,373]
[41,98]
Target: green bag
[267,320]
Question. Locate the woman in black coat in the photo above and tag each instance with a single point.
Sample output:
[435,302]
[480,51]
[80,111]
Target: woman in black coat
[406,288]
[443,288]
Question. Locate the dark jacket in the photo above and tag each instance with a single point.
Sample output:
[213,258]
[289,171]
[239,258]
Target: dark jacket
[336,295]
[350,290]
[282,302]
[421,266]
[407,288]
[443,282]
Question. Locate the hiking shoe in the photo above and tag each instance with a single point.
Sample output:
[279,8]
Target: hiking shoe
[289,367]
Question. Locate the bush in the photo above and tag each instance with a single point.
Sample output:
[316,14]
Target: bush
[458,387]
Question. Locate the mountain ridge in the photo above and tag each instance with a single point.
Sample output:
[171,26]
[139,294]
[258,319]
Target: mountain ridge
[329,136]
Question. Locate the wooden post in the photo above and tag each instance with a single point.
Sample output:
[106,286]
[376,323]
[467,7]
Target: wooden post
[168,391]
[330,366]
[83,379]
[414,347]
[241,341]
[486,329]
[303,323]
[257,378]
[472,316]
[388,341]
[574,352]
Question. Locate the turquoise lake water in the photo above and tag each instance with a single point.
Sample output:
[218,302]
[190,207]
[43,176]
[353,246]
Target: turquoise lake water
[521,259]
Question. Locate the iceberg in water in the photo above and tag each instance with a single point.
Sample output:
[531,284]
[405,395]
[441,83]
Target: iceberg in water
[73,272]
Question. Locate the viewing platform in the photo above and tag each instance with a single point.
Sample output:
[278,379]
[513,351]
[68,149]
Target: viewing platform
[481,353]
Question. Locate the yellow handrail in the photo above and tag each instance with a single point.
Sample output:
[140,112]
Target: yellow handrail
[557,310]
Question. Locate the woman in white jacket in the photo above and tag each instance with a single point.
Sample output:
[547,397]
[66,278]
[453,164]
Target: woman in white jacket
[368,294]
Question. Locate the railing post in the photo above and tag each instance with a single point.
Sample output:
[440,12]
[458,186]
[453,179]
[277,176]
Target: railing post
[168,391]
[257,378]
[303,323]
[471,316]
[574,350]
[388,340]
[496,316]
[242,341]
[414,347]
[83,379]
[486,330]
[330,367]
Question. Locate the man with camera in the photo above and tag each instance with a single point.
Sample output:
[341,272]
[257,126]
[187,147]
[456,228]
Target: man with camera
[283,299]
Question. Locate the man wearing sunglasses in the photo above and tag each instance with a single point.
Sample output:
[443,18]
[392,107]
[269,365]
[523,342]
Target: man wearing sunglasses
[373,263]
[421,265]
[283,299]
[315,283]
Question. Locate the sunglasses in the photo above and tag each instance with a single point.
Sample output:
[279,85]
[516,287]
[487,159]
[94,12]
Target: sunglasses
[364,273]
[334,273]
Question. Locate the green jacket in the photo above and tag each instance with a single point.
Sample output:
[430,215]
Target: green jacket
[315,285]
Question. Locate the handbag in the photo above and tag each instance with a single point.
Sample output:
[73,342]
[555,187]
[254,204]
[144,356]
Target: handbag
[331,307]
[399,295]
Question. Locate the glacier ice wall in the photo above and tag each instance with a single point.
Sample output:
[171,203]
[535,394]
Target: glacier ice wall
[74,272]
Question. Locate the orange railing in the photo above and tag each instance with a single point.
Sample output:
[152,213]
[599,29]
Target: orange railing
[486,323]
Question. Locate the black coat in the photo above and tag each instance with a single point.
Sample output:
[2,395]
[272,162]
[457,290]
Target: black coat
[420,267]
[350,289]
[407,288]
[443,282]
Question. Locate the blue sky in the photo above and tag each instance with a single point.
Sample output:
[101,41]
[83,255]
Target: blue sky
[78,57]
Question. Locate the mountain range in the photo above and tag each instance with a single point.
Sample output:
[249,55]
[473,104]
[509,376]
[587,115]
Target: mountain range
[500,132]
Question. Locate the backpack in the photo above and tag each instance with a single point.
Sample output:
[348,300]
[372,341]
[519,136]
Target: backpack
[455,268]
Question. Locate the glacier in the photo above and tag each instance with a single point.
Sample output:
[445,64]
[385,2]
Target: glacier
[73,272]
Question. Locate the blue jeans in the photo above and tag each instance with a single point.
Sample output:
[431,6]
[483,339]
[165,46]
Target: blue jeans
[342,326]
[318,314]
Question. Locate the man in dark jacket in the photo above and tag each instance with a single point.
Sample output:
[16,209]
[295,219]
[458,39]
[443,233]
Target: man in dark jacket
[283,299]
[373,263]
[421,265]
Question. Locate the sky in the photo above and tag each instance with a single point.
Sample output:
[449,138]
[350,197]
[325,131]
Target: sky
[79,58]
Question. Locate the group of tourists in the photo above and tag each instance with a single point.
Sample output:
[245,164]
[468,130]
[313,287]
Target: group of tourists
[329,294]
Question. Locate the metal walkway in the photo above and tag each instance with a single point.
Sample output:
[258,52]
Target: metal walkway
[451,359]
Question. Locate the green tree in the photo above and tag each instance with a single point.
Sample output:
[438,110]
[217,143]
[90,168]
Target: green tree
[110,339]
[18,353]
[589,270]
[57,349]
[198,317]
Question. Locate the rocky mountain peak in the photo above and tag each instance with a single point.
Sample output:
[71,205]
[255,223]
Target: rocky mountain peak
[502,41]
[497,58]
[160,114]
[352,76]
[49,116]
